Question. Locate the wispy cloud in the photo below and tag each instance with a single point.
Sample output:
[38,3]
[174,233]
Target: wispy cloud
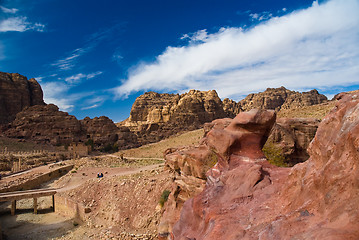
[94,102]
[8,10]
[199,36]
[315,47]
[58,93]
[52,91]
[69,62]
[77,78]
[261,16]
[19,24]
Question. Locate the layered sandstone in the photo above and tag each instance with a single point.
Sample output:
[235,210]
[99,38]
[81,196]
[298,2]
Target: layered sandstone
[17,93]
[280,98]
[46,124]
[155,116]
[247,198]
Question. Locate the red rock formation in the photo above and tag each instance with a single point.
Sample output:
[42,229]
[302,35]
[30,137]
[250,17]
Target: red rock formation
[290,138]
[17,93]
[46,124]
[247,198]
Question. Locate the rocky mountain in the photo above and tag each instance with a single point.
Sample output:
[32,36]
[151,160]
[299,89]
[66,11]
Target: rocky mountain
[245,197]
[274,98]
[17,93]
[155,116]
[46,124]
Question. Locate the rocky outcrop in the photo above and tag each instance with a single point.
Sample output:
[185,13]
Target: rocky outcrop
[289,140]
[17,93]
[100,130]
[245,197]
[280,98]
[155,116]
[46,124]
[190,165]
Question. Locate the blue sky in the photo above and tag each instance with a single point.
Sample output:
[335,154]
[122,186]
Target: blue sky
[94,58]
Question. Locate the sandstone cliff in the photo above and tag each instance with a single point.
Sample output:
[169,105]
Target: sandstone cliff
[155,116]
[46,124]
[280,98]
[17,93]
[247,198]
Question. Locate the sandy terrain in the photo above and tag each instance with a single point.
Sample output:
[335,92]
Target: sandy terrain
[123,203]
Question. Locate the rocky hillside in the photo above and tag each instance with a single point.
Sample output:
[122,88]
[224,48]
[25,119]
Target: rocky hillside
[17,93]
[46,124]
[155,116]
[245,197]
[276,99]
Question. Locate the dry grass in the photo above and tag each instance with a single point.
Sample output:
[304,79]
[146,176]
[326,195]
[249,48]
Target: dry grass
[316,111]
[155,150]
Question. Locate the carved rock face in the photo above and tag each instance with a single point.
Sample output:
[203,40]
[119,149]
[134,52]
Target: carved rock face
[17,93]
[247,198]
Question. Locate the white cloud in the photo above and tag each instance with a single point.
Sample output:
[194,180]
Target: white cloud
[199,36]
[53,91]
[69,62]
[8,10]
[90,107]
[19,24]
[94,102]
[77,78]
[311,48]
[58,94]
[261,16]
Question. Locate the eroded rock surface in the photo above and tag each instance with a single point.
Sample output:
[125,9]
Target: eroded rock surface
[290,138]
[247,198]
[280,98]
[17,93]
[46,124]
[155,116]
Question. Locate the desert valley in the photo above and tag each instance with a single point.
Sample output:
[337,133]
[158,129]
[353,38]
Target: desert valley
[179,120]
[278,164]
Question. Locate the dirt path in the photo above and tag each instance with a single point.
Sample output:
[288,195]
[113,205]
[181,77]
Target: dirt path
[82,175]
[52,225]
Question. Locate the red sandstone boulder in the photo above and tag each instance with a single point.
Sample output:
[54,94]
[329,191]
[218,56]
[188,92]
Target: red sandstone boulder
[247,198]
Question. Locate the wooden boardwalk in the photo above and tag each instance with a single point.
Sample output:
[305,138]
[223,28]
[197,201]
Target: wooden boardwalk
[18,195]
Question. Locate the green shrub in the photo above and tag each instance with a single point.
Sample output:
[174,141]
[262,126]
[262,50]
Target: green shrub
[274,155]
[164,197]
[110,148]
